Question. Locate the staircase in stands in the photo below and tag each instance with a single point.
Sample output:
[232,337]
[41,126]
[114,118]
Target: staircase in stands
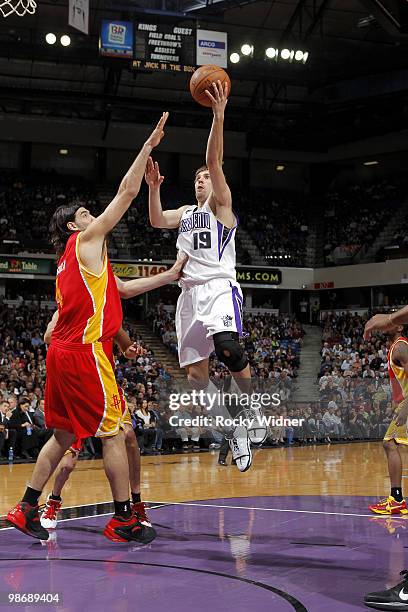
[161,352]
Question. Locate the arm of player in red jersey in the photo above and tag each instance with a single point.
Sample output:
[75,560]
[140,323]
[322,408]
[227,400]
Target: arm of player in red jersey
[130,349]
[96,232]
[385,322]
[215,146]
[129,289]
[50,327]
[164,219]
[400,358]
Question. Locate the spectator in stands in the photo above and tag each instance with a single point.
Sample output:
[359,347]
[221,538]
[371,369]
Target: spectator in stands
[146,426]
[27,442]
[7,436]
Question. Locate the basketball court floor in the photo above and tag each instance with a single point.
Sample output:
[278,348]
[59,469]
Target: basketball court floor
[293,533]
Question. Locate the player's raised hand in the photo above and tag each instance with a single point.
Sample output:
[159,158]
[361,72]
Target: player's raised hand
[158,132]
[152,175]
[219,97]
[177,268]
[379,322]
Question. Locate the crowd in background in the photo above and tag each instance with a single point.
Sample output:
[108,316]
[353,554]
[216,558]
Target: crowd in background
[354,394]
[277,225]
[355,216]
[353,378]
[27,204]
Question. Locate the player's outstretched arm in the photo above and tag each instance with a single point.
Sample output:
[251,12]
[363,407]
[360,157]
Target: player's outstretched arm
[129,289]
[384,322]
[165,219]
[215,145]
[50,327]
[128,189]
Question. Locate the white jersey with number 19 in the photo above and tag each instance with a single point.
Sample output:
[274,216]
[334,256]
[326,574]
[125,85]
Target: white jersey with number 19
[210,246]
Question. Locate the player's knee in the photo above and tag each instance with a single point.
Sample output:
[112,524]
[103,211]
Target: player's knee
[130,436]
[229,351]
[389,446]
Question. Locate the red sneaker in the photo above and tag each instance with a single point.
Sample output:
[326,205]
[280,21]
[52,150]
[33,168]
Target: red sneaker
[139,510]
[389,506]
[120,529]
[26,518]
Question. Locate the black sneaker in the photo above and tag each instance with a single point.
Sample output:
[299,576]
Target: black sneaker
[222,462]
[26,518]
[395,598]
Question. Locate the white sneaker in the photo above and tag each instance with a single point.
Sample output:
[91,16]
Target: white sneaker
[241,448]
[258,432]
[48,518]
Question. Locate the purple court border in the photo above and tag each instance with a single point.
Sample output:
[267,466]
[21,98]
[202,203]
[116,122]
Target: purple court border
[309,553]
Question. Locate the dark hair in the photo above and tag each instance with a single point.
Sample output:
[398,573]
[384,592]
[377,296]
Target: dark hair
[200,169]
[58,225]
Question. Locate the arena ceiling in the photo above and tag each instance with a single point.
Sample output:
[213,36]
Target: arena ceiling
[353,85]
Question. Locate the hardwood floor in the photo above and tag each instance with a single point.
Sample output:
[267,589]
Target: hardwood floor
[343,469]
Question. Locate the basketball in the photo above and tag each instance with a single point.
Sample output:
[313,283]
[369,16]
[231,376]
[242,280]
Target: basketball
[203,78]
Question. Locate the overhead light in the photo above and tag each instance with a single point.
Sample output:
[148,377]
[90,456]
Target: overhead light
[271,52]
[371,163]
[50,38]
[247,49]
[299,56]
[65,40]
[234,58]
[305,56]
[280,168]
[63,151]
[285,54]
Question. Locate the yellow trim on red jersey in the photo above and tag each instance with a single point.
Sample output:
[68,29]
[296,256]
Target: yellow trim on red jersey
[112,420]
[399,372]
[96,285]
[81,265]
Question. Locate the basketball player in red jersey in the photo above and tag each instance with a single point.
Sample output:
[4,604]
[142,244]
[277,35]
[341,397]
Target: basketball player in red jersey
[396,596]
[53,506]
[396,433]
[81,396]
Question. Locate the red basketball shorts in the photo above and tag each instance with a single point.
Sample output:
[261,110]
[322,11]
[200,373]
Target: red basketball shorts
[81,394]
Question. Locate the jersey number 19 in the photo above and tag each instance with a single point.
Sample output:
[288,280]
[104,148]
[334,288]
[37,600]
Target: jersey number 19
[202,240]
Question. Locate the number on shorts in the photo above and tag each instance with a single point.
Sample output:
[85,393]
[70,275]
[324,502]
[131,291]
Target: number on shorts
[202,240]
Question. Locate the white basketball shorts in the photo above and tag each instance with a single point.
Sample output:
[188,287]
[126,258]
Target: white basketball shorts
[202,311]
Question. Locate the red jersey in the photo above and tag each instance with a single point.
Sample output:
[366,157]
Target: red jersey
[89,304]
[397,374]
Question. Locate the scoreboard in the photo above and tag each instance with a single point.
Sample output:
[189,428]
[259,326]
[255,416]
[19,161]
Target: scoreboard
[164,46]
[172,45]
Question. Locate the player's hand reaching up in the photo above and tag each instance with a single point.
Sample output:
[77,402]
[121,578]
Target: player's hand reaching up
[176,270]
[219,98]
[158,132]
[152,175]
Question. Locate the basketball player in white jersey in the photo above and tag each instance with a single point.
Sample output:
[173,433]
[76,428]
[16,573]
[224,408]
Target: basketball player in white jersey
[209,308]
